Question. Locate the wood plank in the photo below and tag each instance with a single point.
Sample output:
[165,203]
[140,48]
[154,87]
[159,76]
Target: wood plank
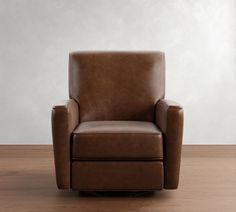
[207,183]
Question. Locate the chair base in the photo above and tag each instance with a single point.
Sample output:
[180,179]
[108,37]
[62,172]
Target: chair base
[116,193]
[117,175]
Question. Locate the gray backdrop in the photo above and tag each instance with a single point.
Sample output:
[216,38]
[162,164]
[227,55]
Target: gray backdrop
[199,38]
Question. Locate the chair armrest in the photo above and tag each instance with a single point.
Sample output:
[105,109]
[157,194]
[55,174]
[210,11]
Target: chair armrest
[65,117]
[169,118]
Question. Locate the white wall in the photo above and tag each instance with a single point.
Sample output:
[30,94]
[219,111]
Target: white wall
[199,38]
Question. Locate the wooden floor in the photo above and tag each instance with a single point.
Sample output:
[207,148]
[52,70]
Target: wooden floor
[207,183]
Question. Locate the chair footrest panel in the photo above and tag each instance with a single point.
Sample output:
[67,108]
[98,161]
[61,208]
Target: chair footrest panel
[117,175]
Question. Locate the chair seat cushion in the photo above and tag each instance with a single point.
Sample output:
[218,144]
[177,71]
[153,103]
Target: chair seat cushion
[117,140]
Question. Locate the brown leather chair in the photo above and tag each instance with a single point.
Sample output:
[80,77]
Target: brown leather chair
[117,132]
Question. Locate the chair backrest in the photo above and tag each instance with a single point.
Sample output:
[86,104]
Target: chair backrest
[117,85]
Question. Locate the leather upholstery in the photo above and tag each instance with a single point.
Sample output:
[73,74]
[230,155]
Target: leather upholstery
[117,85]
[116,132]
[117,140]
[169,117]
[117,175]
[64,120]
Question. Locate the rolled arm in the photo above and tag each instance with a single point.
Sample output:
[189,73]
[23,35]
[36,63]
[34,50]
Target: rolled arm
[169,118]
[65,118]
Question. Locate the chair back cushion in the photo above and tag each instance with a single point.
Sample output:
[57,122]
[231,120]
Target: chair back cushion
[117,85]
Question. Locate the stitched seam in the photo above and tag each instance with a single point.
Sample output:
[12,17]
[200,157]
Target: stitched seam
[112,189]
[97,159]
[151,134]
[64,109]
[175,108]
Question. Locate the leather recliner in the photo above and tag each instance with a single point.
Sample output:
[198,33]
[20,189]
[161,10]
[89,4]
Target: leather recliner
[117,132]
